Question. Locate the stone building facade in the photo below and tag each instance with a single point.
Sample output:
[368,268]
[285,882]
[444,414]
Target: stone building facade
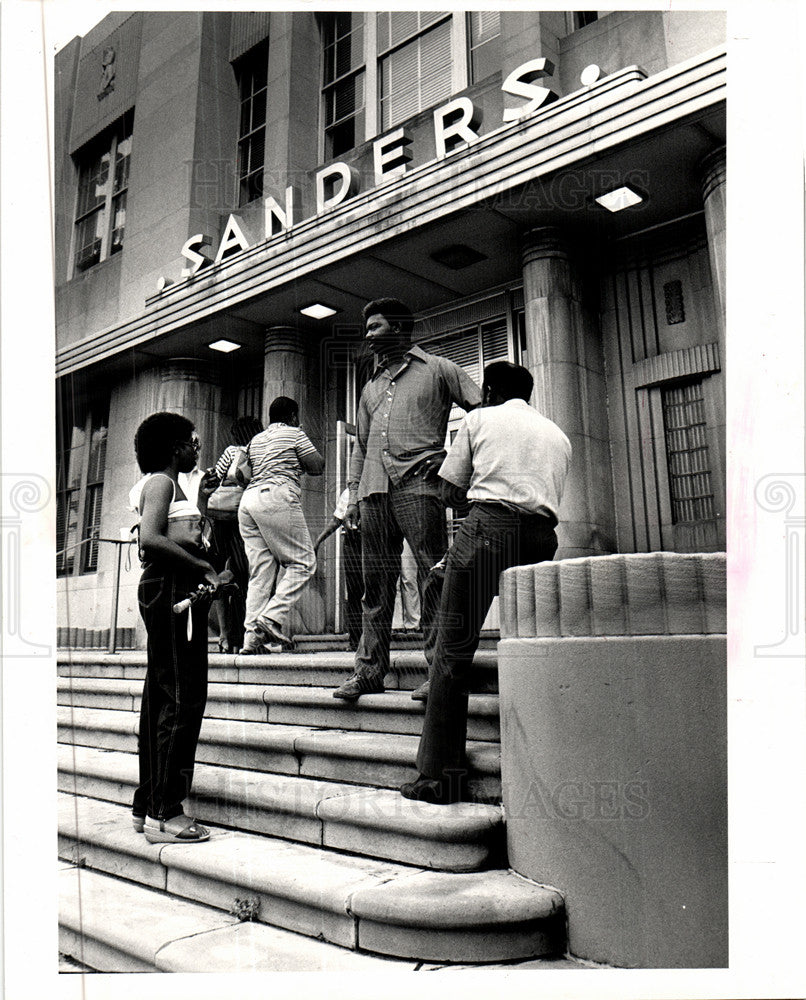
[220,173]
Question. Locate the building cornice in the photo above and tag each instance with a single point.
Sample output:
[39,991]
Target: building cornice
[623,107]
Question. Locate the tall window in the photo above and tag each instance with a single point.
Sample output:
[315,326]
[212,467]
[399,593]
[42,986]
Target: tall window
[103,182]
[344,82]
[692,495]
[484,43]
[414,49]
[380,69]
[252,71]
[81,462]
[583,17]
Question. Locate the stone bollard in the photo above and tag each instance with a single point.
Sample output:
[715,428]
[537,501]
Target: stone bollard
[612,681]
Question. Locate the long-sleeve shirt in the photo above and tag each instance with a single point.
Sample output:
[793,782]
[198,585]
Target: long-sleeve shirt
[403,417]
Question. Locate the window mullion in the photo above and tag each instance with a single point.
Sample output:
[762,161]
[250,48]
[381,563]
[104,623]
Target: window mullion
[370,75]
[459,52]
[106,238]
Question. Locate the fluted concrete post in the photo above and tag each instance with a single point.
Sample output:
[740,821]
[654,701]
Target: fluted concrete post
[289,369]
[564,356]
[612,690]
[191,387]
[713,179]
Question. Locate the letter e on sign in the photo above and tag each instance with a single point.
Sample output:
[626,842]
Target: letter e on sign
[455,124]
[520,82]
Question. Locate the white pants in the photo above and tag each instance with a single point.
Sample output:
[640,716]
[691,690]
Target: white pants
[275,537]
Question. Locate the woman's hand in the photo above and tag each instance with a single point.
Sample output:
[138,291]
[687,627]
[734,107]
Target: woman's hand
[208,483]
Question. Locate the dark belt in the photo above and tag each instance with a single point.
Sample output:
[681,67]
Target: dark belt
[497,506]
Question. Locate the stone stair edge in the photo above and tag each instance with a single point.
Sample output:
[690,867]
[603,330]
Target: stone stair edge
[393,748]
[385,892]
[276,694]
[399,659]
[312,798]
[214,942]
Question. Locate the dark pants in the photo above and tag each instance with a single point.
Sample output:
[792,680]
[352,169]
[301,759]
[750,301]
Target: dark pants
[354,584]
[410,510]
[491,539]
[228,553]
[174,695]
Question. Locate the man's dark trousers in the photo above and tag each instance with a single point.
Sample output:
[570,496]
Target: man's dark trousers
[493,538]
[411,510]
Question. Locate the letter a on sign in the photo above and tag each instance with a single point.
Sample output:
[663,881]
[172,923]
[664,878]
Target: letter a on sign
[520,83]
[232,240]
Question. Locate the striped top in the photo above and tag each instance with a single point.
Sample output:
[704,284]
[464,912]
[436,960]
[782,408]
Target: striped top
[222,466]
[279,455]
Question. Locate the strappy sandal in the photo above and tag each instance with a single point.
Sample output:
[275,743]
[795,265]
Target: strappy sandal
[178,830]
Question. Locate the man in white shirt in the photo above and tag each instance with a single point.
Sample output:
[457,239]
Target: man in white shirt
[512,463]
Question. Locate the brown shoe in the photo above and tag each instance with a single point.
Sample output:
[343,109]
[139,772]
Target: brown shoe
[356,686]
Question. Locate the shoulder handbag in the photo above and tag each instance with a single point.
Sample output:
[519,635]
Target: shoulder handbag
[224,502]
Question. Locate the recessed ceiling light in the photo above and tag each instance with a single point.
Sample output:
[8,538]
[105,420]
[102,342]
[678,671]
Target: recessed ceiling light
[225,346]
[317,311]
[618,199]
[457,256]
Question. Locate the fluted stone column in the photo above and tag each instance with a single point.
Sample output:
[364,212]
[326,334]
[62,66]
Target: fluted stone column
[713,179]
[191,387]
[291,368]
[565,358]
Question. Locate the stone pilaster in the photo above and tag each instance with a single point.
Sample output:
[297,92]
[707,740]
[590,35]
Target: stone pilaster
[564,356]
[291,368]
[713,180]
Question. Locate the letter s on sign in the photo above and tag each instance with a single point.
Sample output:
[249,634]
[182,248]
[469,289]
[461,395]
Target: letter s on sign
[520,83]
[197,260]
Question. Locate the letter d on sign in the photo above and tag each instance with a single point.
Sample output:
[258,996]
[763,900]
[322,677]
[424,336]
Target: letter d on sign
[344,181]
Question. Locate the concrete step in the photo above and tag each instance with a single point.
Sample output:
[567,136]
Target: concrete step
[407,668]
[115,926]
[377,759]
[356,903]
[390,712]
[375,822]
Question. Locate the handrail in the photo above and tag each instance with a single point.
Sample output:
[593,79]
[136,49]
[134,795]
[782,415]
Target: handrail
[91,538]
[113,628]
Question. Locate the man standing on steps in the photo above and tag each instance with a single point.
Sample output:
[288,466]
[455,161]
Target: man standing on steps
[400,434]
[511,463]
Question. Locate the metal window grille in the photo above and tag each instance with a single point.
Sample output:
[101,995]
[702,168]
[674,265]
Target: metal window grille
[687,455]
